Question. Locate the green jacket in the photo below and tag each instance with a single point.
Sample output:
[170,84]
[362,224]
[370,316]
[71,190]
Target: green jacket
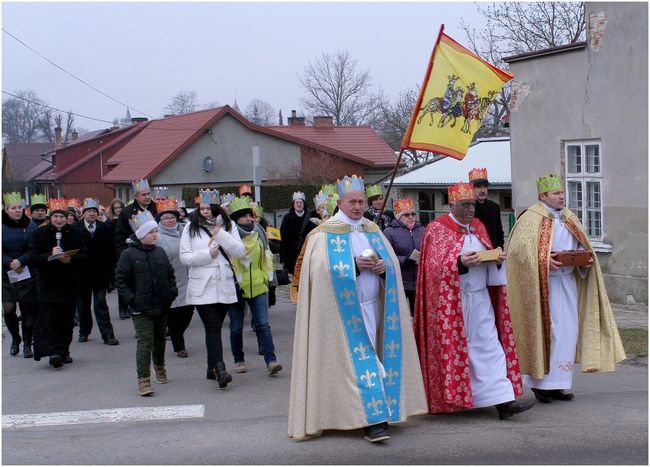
[254,272]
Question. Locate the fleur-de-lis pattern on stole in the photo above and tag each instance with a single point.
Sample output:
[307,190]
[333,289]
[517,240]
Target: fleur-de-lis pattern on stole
[381,399]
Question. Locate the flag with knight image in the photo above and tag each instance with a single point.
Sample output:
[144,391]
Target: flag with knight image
[457,92]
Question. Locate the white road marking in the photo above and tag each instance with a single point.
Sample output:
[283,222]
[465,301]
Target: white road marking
[127,414]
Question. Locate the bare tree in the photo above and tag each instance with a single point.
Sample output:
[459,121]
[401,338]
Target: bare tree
[21,117]
[48,123]
[260,112]
[182,103]
[335,87]
[513,28]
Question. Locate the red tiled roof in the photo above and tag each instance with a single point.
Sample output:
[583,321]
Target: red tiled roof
[361,142]
[162,140]
[48,176]
[23,157]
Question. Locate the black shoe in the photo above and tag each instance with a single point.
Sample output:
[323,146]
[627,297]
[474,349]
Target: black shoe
[376,433]
[543,395]
[83,338]
[561,395]
[508,409]
[15,348]
[67,359]
[27,351]
[211,374]
[223,377]
[111,341]
[56,361]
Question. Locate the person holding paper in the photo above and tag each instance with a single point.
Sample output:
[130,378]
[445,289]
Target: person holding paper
[462,321]
[405,235]
[18,285]
[560,314]
[56,251]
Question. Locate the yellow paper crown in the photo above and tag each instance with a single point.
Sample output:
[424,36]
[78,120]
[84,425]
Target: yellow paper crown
[461,192]
[549,183]
[259,210]
[39,199]
[477,174]
[349,184]
[240,203]
[163,205]
[330,205]
[139,219]
[402,205]
[328,189]
[12,198]
[57,204]
[373,190]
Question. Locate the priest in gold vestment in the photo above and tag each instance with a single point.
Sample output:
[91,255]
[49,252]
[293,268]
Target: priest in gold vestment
[560,314]
[355,364]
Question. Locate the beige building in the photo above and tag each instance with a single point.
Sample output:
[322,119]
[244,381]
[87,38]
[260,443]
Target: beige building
[581,111]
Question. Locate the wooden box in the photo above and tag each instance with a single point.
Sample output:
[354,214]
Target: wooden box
[573,257]
[490,255]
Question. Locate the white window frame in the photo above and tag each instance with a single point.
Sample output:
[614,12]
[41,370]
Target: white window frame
[583,177]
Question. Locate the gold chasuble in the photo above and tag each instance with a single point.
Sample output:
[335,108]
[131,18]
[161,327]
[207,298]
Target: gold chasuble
[529,251]
[336,376]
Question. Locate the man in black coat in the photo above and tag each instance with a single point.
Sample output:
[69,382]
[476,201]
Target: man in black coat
[488,212]
[141,202]
[57,284]
[95,272]
[291,228]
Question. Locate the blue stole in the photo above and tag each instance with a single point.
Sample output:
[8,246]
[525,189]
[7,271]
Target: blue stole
[380,398]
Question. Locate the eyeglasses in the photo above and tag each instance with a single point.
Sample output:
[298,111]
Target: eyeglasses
[408,214]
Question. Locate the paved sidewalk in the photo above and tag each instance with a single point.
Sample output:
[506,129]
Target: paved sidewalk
[627,316]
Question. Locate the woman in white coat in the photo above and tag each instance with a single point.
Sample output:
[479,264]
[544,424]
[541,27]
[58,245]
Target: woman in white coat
[211,286]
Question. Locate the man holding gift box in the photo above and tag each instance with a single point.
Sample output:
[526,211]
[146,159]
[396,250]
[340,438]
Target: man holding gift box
[462,326]
[487,211]
[560,314]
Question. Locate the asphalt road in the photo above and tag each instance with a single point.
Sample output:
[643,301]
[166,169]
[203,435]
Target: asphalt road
[607,422]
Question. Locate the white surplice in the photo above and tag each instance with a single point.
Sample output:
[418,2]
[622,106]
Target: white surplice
[563,303]
[487,360]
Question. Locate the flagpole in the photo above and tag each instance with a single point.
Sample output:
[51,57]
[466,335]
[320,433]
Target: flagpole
[390,185]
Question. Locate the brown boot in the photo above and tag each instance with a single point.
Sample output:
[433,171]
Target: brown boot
[144,387]
[161,374]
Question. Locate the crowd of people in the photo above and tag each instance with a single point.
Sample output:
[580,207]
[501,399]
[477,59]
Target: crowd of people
[393,318]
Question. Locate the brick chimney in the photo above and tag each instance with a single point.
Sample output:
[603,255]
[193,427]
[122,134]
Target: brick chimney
[58,140]
[139,119]
[294,120]
[74,136]
[324,122]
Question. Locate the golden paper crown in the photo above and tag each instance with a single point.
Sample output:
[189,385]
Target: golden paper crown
[330,205]
[349,184]
[244,189]
[163,205]
[259,211]
[328,189]
[74,202]
[461,192]
[402,205]
[139,219]
[57,204]
[39,199]
[373,190]
[549,183]
[12,198]
[240,203]
[477,174]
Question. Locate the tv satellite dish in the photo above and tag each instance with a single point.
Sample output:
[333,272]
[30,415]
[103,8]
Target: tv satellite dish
[208,165]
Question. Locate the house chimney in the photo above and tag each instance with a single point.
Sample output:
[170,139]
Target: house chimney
[139,119]
[324,122]
[295,120]
[75,135]
[57,137]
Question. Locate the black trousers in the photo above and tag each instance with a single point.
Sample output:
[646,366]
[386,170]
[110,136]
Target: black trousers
[53,330]
[95,296]
[178,320]
[410,295]
[212,316]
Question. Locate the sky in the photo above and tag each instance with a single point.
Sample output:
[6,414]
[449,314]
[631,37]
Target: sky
[143,54]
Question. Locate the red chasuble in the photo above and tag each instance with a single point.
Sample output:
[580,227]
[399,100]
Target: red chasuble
[438,319]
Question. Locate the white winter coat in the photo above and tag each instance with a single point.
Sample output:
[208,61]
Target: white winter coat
[210,279]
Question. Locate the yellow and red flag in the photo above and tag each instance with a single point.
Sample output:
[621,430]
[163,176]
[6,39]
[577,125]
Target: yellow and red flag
[458,89]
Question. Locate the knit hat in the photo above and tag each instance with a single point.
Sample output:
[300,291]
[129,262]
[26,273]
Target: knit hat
[142,224]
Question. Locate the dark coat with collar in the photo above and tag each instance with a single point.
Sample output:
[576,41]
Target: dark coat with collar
[290,232]
[16,236]
[145,279]
[489,213]
[100,255]
[57,282]
[122,227]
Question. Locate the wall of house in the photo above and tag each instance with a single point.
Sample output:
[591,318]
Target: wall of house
[88,190]
[230,147]
[601,93]
[321,167]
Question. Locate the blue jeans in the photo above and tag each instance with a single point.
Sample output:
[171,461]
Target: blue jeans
[260,314]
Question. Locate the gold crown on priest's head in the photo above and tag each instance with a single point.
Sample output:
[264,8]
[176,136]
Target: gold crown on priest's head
[461,192]
[349,184]
[549,183]
[477,174]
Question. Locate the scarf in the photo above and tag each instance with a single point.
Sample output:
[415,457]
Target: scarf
[174,232]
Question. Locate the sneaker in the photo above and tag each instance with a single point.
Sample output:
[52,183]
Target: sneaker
[144,387]
[274,367]
[376,433]
[161,374]
[240,367]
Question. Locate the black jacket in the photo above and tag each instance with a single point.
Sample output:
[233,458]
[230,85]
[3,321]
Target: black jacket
[373,215]
[15,240]
[100,250]
[489,213]
[123,228]
[57,282]
[290,231]
[145,280]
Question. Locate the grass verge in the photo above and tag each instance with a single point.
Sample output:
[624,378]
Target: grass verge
[635,341]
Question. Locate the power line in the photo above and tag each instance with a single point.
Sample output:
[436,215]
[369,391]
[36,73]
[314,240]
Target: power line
[71,74]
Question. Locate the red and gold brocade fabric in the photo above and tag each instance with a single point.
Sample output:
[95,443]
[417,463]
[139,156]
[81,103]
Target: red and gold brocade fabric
[439,324]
